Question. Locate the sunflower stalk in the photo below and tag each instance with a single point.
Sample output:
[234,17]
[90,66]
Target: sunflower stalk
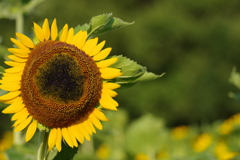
[42,149]
[19,22]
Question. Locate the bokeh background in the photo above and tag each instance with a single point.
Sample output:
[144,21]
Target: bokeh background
[196,43]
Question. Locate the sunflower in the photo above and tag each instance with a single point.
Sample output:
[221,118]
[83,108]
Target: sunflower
[59,80]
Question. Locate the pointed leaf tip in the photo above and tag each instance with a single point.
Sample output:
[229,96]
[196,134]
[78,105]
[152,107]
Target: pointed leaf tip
[104,23]
[132,72]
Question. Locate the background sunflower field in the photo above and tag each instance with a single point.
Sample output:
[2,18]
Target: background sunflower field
[186,114]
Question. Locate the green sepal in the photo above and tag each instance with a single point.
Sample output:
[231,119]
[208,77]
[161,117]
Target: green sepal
[2,70]
[43,128]
[66,153]
[104,23]
[84,27]
[235,78]
[132,72]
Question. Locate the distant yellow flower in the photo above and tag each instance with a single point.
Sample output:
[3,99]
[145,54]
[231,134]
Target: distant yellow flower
[179,132]
[226,127]
[6,142]
[141,156]
[236,119]
[61,81]
[202,142]
[222,153]
[162,155]
[103,151]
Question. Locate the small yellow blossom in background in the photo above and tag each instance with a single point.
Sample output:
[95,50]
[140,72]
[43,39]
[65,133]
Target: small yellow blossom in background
[222,153]
[202,142]
[5,143]
[236,119]
[3,156]
[141,156]
[226,127]
[103,151]
[179,132]
[163,155]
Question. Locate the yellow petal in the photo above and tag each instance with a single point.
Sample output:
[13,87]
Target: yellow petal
[15,107]
[14,70]
[10,79]
[20,45]
[20,119]
[17,59]
[95,121]
[6,82]
[90,45]
[59,140]
[111,85]
[54,30]
[31,131]
[76,38]
[110,73]
[97,49]
[12,87]
[91,125]
[12,74]
[23,125]
[64,33]
[78,134]
[70,35]
[46,29]
[52,139]
[105,104]
[9,101]
[18,52]
[38,32]
[79,39]
[17,115]
[25,40]
[106,63]
[11,63]
[100,115]
[9,95]
[109,99]
[67,137]
[87,127]
[83,130]
[103,54]
[72,133]
[110,92]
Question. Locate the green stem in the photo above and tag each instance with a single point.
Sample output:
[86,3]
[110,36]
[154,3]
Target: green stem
[42,150]
[19,22]
[19,18]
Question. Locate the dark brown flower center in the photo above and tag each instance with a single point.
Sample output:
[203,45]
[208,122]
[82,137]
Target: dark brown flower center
[60,84]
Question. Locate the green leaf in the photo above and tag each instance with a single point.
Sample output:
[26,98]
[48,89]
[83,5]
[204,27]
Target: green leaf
[3,51]
[132,72]
[145,139]
[104,23]
[66,153]
[2,70]
[235,96]
[84,27]
[235,78]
